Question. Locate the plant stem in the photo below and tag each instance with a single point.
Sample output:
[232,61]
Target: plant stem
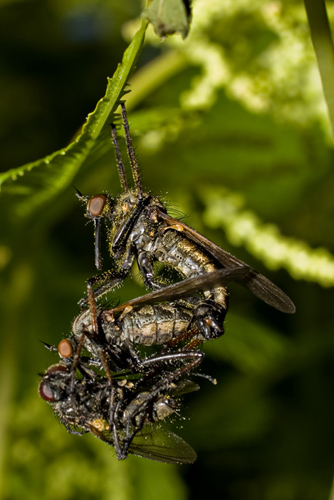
[324,50]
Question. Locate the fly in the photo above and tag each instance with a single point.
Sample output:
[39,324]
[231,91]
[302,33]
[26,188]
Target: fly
[137,412]
[145,322]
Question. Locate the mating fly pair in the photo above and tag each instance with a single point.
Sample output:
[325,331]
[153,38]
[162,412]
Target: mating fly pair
[177,317]
[138,227]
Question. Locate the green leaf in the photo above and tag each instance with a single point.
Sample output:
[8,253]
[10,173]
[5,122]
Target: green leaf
[34,184]
[168,17]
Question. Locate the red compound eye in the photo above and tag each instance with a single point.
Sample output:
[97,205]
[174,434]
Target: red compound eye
[65,348]
[56,368]
[96,204]
[47,386]
[46,392]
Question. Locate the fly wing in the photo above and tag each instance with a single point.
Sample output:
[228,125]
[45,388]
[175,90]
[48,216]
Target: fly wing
[263,288]
[161,445]
[184,387]
[188,287]
[154,443]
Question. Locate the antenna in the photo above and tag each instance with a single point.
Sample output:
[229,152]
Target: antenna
[119,161]
[131,152]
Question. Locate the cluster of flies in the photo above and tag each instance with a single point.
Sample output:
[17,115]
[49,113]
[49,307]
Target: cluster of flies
[123,370]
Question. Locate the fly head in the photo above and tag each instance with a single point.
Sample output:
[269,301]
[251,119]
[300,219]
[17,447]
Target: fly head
[54,385]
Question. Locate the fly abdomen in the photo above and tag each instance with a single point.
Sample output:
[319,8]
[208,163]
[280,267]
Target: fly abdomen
[154,324]
[173,249]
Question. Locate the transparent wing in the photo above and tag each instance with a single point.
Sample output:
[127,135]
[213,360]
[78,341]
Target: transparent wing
[154,443]
[188,287]
[184,387]
[161,445]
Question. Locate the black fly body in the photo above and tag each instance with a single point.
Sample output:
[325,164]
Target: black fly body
[128,419]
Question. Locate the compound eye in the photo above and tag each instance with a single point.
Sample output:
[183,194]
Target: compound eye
[46,392]
[65,348]
[45,387]
[56,368]
[96,204]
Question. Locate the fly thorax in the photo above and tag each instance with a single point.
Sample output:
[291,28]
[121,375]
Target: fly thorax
[112,328]
[164,408]
[145,229]
[136,407]
[82,324]
[122,219]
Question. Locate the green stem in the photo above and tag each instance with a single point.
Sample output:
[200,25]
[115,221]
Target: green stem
[324,50]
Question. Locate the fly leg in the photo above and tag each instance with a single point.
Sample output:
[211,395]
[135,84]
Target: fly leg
[146,268]
[172,357]
[108,280]
[113,406]
[106,283]
[190,333]
[76,357]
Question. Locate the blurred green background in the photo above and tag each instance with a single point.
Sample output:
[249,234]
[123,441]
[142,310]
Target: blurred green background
[231,129]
